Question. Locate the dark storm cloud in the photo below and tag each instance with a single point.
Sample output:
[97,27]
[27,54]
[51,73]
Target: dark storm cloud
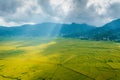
[114,10]
[79,12]
[46,6]
[9,6]
[94,12]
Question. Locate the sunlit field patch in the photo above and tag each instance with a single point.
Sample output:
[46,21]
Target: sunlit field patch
[59,59]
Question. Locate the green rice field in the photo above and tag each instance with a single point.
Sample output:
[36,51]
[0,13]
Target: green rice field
[58,59]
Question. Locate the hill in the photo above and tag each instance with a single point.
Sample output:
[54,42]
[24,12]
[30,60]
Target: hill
[47,29]
[110,31]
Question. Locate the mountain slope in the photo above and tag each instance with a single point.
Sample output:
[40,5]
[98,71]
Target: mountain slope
[110,31]
[46,29]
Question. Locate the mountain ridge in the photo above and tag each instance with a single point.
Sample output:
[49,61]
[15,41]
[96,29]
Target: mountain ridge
[110,31]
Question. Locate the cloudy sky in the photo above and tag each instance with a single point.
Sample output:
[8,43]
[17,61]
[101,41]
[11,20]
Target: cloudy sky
[92,12]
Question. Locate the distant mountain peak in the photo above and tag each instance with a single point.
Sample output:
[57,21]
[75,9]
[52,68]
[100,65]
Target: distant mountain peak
[113,24]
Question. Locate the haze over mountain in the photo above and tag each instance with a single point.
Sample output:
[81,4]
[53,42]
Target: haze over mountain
[110,31]
[45,29]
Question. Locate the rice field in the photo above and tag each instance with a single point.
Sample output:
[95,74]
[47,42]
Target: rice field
[59,59]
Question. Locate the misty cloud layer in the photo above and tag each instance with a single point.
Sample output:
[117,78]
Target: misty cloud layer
[92,12]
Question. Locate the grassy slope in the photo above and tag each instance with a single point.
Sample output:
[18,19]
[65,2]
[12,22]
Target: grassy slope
[60,59]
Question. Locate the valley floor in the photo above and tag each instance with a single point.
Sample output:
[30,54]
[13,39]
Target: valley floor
[59,59]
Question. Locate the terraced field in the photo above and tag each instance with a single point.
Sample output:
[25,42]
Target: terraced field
[59,59]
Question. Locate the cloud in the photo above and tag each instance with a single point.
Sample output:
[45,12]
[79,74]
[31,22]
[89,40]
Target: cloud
[114,10]
[93,12]
[4,23]
[8,7]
